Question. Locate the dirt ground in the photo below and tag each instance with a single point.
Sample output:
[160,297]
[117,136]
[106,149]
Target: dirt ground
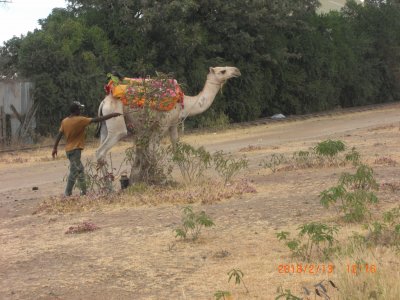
[135,255]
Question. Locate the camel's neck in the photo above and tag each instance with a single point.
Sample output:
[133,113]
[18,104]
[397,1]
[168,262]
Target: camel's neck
[194,105]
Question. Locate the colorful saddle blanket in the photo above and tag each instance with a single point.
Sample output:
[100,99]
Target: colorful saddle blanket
[161,94]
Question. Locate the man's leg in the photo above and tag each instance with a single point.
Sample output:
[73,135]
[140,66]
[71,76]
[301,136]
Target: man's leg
[76,171]
[81,175]
[71,155]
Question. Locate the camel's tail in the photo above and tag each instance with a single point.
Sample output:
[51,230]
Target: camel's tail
[99,113]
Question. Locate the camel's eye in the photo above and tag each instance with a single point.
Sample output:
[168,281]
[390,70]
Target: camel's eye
[223,71]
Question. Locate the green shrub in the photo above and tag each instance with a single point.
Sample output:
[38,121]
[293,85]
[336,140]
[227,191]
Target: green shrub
[192,161]
[354,194]
[192,223]
[386,232]
[272,162]
[228,167]
[313,238]
[329,148]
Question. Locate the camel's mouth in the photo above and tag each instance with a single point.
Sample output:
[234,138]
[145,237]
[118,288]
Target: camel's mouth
[236,73]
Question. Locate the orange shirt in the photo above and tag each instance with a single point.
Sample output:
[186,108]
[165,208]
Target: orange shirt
[73,128]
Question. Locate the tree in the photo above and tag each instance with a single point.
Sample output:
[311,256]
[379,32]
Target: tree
[67,61]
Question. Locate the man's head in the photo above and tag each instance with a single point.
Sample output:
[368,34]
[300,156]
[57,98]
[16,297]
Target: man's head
[76,108]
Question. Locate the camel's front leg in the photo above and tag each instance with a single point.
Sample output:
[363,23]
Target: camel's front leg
[173,134]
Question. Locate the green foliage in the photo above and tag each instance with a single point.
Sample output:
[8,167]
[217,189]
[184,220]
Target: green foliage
[326,153]
[238,275]
[312,239]
[192,161]
[228,167]
[293,60]
[221,295]
[272,162]
[286,294]
[212,120]
[329,148]
[354,157]
[192,223]
[387,231]
[355,193]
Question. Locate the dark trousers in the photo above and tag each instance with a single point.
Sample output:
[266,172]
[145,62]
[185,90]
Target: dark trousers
[76,172]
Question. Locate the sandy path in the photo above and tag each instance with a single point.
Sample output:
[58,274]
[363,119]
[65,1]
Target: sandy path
[135,256]
[48,176]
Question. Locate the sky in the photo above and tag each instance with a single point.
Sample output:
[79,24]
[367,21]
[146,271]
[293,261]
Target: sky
[21,16]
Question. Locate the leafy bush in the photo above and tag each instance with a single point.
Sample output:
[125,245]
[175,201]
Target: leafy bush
[386,232]
[312,238]
[329,148]
[354,192]
[273,161]
[354,157]
[324,154]
[192,223]
[228,167]
[192,162]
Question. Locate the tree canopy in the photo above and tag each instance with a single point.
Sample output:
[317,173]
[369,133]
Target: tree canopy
[293,60]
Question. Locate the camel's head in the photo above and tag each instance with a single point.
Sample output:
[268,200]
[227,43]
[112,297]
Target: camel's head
[222,74]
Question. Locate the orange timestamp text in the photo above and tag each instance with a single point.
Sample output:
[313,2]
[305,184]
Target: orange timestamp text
[306,268]
[325,268]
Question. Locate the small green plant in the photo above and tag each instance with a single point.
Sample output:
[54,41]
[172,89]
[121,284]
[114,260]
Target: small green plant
[304,159]
[286,294]
[329,148]
[353,156]
[386,232]
[238,275]
[354,192]
[192,223]
[228,167]
[221,295]
[312,238]
[191,161]
[273,162]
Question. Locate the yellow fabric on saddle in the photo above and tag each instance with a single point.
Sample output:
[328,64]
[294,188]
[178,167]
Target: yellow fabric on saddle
[161,95]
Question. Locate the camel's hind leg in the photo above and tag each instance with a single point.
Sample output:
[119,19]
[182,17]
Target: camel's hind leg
[115,130]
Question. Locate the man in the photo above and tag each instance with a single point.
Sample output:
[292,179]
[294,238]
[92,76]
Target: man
[73,128]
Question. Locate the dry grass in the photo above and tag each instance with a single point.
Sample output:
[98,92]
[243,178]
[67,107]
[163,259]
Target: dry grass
[206,192]
[358,280]
[134,254]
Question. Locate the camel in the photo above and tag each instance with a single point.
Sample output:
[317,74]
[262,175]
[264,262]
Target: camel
[114,129]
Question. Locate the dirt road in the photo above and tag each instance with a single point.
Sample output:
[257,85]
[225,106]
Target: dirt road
[48,176]
[135,255]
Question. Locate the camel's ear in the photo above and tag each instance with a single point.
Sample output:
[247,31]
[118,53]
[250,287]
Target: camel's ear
[212,70]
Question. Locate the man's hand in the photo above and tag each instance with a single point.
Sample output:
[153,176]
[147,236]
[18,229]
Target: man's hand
[106,117]
[54,153]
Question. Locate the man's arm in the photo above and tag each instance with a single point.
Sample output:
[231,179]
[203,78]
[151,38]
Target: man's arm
[106,117]
[59,136]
